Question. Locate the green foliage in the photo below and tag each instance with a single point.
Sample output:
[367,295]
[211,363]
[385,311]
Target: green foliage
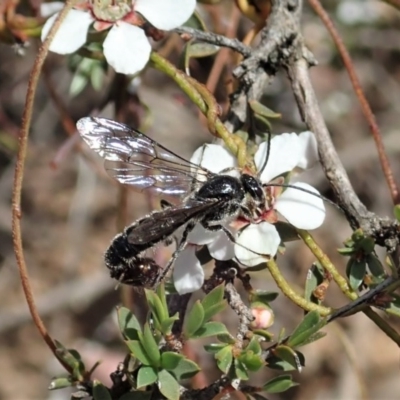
[279,384]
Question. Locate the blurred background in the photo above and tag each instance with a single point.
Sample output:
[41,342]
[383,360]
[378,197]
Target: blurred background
[71,206]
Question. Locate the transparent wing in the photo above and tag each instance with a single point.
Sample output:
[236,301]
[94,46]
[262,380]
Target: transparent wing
[132,158]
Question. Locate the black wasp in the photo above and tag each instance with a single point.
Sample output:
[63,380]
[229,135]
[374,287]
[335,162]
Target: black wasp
[207,198]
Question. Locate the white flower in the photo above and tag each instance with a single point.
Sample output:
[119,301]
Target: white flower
[126,47]
[256,242]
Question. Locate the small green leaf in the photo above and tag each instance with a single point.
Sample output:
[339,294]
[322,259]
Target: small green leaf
[261,109]
[274,362]
[150,345]
[157,308]
[263,296]
[168,385]
[367,245]
[226,338]
[60,383]
[254,346]
[100,392]
[214,302]
[253,362]
[161,293]
[310,324]
[240,370]
[138,351]
[214,310]
[78,83]
[315,277]
[194,320]
[313,338]
[279,384]
[346,251]
[289,355]
[178,365]
[166,325]
[210,329]
[146,376]
[356,271]
[97,76]
[287,232]
[375,266]
[128,324]
[268,336]
[196,22]
[214,348]
[224,359]
[72,358]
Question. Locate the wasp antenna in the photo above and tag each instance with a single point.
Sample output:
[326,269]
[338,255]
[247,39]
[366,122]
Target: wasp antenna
[286,185]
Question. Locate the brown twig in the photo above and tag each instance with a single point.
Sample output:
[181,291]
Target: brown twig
[365,107]
[394,3]
[18,179]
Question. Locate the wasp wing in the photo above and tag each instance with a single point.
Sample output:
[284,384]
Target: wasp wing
[162,224]
[134,159]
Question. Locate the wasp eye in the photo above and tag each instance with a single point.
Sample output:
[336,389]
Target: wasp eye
[253,187]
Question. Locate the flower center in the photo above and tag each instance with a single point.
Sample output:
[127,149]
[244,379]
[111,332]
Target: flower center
[111,10]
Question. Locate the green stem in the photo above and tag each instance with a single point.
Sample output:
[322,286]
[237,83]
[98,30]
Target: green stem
[327,264]
[291,294]
[206,102]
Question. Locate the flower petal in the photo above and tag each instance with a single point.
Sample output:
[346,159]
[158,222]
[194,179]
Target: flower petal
[283,156]
[309,150]
[188,273]
[72,33]
[221,248]
[261,238]
[215,158]
[201,236]
[166,14]
[126,48]
[301,209]
[47,9]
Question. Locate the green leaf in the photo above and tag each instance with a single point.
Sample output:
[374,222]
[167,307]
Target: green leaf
[214,348]
[263,296]
[150,345]
[128,324]
[162,295]
[315,277]
[313,338]
[253,362]
[179,365]
[268,336]
[157,308]
[138,351]
[224,359]
[287,232]
[137,395]
[289,355]
[254,346]
[262,110]
[356,271]
[214,310]
[226,338]
[168,385]
[78,83]
[240,370]
[214,297]
[97,76]
[166,325]
[310,324]
[275,362]
[210,329]
[146,376]
[279,384]
[375,266]
[100,392]
[60,383]
[196,22]
[194,320]
[72,358]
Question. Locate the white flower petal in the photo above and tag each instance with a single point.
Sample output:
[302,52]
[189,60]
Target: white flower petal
[166,14]
[214,157]
[126,48]
[309,150]
[47,9]
[201,236]
[301,209]
[261,238]
[283,156]
[222,248]
[188,273]
[72,33]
